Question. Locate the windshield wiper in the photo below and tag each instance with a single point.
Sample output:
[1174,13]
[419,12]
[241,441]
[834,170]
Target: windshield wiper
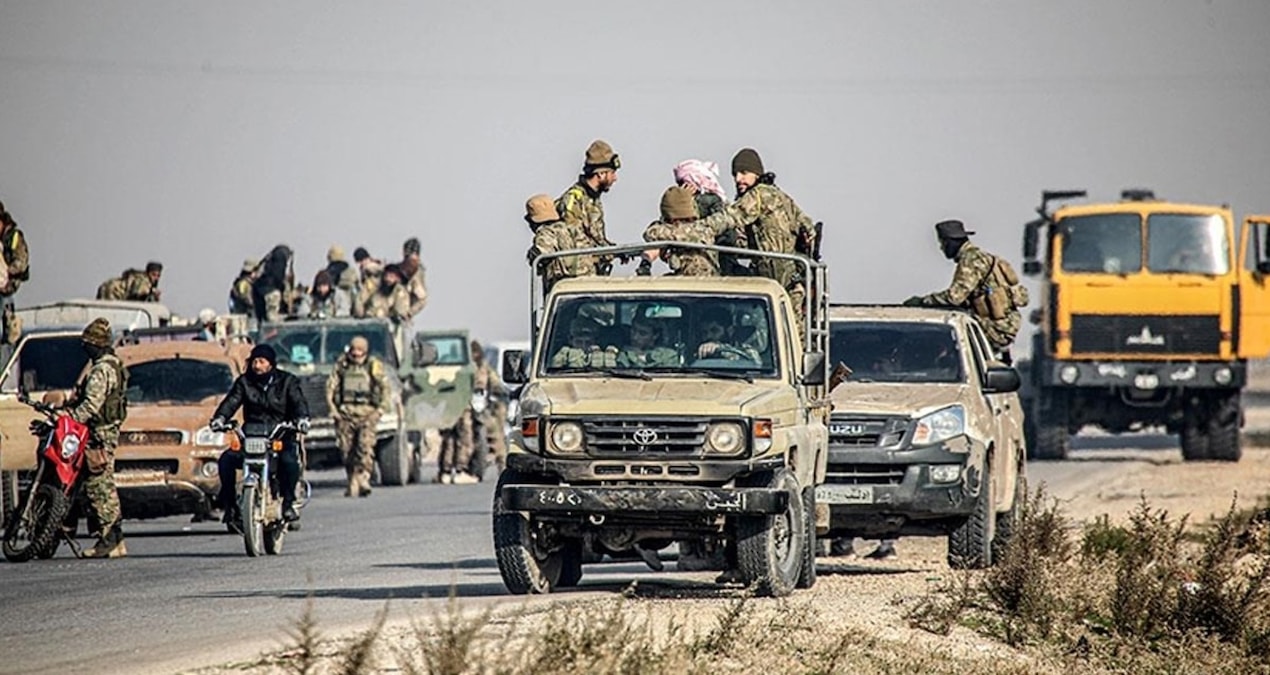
[625,373]
[720,373]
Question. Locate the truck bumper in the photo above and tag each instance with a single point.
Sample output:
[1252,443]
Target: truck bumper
[1142,375]
[629,500]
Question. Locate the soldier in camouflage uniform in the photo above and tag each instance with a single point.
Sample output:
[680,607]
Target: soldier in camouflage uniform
[413,274]
[765,219]
[484,422]
[134,285]
[978,276]
[16,263]
[551,234]
[240,300]
[356,392]
[679,223]
[99,402]
[702,179]
[582,351]
[643,350]
[389,300]
[580,205]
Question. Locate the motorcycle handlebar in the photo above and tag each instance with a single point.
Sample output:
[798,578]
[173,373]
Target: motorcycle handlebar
[48,410]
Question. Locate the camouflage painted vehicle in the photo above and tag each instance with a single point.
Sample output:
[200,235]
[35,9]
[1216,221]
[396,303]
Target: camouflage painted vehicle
[308,348]
[718,441]
[440,382]
[926,435]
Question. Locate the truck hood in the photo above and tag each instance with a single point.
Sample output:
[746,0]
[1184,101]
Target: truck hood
[875,398]
[590,396]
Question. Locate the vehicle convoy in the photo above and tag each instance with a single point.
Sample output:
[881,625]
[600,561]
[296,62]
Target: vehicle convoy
[668,409]
[309,349]
[926,434]
[34,528]
[1150,311]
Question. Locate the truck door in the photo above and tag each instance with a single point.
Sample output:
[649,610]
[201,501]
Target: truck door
[1254,288]
[40,364]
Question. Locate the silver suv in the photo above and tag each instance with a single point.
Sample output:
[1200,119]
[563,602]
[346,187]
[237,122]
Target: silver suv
[926,434]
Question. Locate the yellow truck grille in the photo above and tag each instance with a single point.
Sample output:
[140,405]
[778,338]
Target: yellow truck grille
[1145,334]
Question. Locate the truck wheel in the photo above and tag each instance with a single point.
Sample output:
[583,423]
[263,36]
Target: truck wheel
[1194,440]
[771,548]
[394,461]
[522,562]
[970,543]
[1223,429]
[1050,418]
[1008,522]
[807,570]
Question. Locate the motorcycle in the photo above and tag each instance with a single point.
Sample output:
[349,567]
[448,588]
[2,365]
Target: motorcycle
[34,529]
[480,450]
[259,499]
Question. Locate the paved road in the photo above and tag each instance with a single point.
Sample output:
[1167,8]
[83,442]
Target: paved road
[188,596]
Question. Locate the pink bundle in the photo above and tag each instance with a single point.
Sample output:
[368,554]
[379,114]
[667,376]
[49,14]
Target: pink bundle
[702,175]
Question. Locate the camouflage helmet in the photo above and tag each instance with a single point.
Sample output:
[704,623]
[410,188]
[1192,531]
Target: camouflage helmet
[335,254]
[600,156]
[97,333]
[677,203]
[541,209]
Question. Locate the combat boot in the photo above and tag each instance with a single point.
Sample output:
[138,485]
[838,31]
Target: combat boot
[110,545]
[354,483]
[465,478]
[363,480]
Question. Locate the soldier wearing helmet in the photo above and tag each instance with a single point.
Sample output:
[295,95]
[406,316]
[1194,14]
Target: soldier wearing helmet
[240,298]
[580,205]
[356,393]
[678,223]
[552,234]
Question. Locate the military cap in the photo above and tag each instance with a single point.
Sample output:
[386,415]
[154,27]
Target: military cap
[541,209]
[600,155]
[747,161]
[951,229]
[360,343]
[411,246]
[335,254]
[96,333]
[677,203]
[250,265]
[153,266]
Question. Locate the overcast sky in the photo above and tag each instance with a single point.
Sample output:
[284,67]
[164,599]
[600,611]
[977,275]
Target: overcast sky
[202,133]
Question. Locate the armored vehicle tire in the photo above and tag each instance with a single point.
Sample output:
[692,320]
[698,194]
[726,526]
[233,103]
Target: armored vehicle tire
[1193,440]
[1008,522]
[970,543]
[253,525]
[1223,429]
[1049,418]
[39,536]
[807,571]
[770,549]
[525,568]
[394,461]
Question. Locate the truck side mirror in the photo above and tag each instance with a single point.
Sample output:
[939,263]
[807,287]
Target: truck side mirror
[814,369]
[1000,380]
[1263,260]
[515,366]
[1031,242]
[1031,268]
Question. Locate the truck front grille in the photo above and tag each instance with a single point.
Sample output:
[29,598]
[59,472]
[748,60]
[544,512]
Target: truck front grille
[169,466]
[866,474]
[1145,334]
[611,437]
[151,438]
[866,432]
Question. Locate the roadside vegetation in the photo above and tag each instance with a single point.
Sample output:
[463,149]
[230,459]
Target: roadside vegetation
[1151,595]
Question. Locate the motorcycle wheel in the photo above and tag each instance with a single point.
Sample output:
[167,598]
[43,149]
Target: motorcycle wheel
[37,534]
[253,521]
[274,535]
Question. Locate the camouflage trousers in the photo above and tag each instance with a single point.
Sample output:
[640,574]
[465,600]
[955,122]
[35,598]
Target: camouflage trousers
[495,433]
[355,436]
[102,496]
[1001,332]
[458,445]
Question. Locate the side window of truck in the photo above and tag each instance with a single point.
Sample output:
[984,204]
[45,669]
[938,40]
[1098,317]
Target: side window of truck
[978,348]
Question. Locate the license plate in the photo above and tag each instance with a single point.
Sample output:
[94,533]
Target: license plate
[844,494]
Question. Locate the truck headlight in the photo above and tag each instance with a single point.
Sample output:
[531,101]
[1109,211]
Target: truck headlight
[1069,374]
[566,437]
[940,425]
[206,436]
[1223,376]
[725,438]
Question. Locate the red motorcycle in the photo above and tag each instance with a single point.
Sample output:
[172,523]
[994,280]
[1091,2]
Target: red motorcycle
[34,529]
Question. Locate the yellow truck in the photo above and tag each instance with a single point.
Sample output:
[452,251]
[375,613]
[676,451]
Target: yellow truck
[1150,310]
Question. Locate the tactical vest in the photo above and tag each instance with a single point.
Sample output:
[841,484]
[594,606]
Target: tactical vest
[356,385]
[1000,292]
[10,248]
[114,410]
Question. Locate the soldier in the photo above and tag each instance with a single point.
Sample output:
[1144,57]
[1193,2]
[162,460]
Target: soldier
[17,270]
[99,402]
[370,271]
[982,283]
[582,350]
[389,300]
[702,179]
[484,422]
[551,234]
[412,274]
[679,223]
[643,350]
[580,205]
[133,285]
[274,286]
[324,300]
[356,392]
[240,297]
[766,219]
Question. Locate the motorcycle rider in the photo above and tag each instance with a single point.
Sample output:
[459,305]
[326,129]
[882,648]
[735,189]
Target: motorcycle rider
[269,396]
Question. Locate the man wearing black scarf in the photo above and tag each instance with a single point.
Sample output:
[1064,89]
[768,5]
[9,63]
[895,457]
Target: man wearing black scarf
[271,290]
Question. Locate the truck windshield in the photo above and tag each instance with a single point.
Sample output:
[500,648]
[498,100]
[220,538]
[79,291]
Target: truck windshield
[699,335]
[1109,243]
[895,351]
[45,364]
[302,345]
[1187,244]
[178,381]
[443,350]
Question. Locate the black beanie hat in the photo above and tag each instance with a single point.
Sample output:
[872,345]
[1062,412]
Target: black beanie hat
[747,160]
[264,352]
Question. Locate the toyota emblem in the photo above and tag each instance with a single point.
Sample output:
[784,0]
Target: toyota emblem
[644,436]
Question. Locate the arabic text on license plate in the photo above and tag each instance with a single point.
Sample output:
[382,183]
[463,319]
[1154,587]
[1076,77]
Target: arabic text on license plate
[844,494]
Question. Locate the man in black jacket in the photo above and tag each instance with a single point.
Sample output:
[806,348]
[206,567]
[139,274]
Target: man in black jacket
[267,396]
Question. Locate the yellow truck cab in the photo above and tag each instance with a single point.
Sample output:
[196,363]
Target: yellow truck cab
[1150,310]
[664,409]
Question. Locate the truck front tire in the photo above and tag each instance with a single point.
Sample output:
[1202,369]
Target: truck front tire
[524,566]
[771,549]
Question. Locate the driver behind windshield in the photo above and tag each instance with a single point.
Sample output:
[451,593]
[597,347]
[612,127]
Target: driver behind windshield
[582,349]
[715,340]
[643,350]
[267,396]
